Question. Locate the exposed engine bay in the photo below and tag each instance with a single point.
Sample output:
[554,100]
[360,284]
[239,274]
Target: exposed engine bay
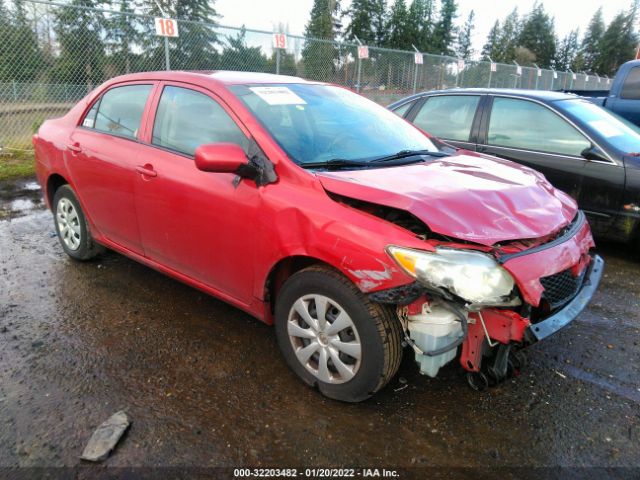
[442,323]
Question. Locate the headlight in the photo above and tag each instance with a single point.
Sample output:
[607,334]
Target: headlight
[473,276]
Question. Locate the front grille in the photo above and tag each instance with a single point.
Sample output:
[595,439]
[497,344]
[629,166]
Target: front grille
[561,287]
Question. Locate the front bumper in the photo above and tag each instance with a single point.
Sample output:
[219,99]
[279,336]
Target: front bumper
[570,311]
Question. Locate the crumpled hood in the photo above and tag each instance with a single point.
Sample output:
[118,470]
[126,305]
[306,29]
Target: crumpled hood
[467,196]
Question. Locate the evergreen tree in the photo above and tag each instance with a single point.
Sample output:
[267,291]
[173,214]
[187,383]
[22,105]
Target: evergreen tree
[397,28]
[591,40]
[567,51]
[361,24]
[80,36]
[537,34]
[319,57]
[444,36]
[618,43]
[236,55]
[6,55]
[509,38]
[465,50]
[195,47]
[420,24]
[18,41]
[379,21]
[124,34]
[491,49]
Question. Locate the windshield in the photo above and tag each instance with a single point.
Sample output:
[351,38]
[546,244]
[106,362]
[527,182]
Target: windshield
[617,131]
[316,123]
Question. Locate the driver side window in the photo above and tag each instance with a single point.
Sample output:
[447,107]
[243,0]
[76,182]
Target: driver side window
[187,119]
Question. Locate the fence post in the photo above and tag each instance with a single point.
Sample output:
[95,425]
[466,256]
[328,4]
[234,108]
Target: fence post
[167,63]
[415,71]
[490,71]
[15,91]
[359,66]
[516,76]
[537,76]
[571,83]
[277,61]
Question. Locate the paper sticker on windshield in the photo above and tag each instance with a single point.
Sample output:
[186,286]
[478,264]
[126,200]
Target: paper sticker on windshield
[605,128]
[278,95]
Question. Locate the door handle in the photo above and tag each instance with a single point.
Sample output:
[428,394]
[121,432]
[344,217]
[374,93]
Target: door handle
[146,170]
[74,147]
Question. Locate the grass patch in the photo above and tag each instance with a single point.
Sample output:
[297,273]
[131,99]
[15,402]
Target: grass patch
[16,164]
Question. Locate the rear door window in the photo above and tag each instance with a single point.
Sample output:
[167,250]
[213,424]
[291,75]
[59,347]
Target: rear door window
[187,119]
[530,126]
[448,116]
[119,111]
[631,86]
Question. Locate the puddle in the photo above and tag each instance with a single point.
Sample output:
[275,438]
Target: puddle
[19,198]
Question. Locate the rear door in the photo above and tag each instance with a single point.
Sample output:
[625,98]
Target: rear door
[200,224]
[101,157]
[452,118]
[531,133]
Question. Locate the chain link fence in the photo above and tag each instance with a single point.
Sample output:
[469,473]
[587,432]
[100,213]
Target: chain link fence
[58,53]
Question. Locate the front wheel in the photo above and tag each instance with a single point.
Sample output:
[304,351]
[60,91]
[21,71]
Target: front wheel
[71,226]
[334,338]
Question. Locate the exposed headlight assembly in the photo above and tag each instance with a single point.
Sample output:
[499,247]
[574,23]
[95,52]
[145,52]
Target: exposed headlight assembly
[473,276]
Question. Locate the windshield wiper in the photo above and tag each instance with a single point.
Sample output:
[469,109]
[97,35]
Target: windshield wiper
[335,163]
[410,153]
[399,158]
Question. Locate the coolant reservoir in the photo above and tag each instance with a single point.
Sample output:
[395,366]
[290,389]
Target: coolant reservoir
[434,328]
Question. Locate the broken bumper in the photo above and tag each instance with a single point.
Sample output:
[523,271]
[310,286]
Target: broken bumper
[570,311]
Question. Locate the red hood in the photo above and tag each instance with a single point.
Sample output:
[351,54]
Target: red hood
[467,197]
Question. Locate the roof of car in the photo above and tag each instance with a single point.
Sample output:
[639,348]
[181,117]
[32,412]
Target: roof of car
[225,77]
[544,95]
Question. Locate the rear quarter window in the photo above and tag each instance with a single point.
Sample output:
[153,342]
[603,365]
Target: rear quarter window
[631,86]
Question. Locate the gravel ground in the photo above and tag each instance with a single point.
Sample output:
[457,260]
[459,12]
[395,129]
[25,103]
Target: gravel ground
[205,386]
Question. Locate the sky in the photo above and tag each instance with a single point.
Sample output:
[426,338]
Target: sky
[569,14]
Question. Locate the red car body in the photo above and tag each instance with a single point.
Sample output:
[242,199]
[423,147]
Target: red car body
[239,241]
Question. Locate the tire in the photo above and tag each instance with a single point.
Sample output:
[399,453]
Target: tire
[373,328]
[71,226]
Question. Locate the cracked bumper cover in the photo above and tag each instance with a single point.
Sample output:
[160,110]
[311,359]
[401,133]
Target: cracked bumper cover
[570,311]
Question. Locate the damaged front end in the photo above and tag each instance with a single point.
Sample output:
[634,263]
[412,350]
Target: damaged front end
[491,303]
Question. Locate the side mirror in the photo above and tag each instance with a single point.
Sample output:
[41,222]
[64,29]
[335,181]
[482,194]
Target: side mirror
[593,153]
[220,158]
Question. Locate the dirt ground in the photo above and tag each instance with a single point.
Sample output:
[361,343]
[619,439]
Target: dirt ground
[205,386]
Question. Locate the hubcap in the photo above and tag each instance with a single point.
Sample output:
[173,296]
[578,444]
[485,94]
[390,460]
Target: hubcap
[68,224]
[324,338]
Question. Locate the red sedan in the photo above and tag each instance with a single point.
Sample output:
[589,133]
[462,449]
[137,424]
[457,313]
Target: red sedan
[317,210]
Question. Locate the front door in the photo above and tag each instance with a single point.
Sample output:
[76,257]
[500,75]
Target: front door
[200,224]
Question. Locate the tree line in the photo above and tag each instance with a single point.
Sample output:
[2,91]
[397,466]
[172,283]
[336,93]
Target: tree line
[84,43]
[91,40]
[431,27]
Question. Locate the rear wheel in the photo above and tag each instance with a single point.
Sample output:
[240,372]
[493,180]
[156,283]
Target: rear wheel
[334,338]
[71,226]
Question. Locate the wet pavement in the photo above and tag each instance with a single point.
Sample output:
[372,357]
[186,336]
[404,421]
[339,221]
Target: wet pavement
[204,384]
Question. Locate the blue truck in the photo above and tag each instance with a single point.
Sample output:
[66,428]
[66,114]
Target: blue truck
[624,96]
